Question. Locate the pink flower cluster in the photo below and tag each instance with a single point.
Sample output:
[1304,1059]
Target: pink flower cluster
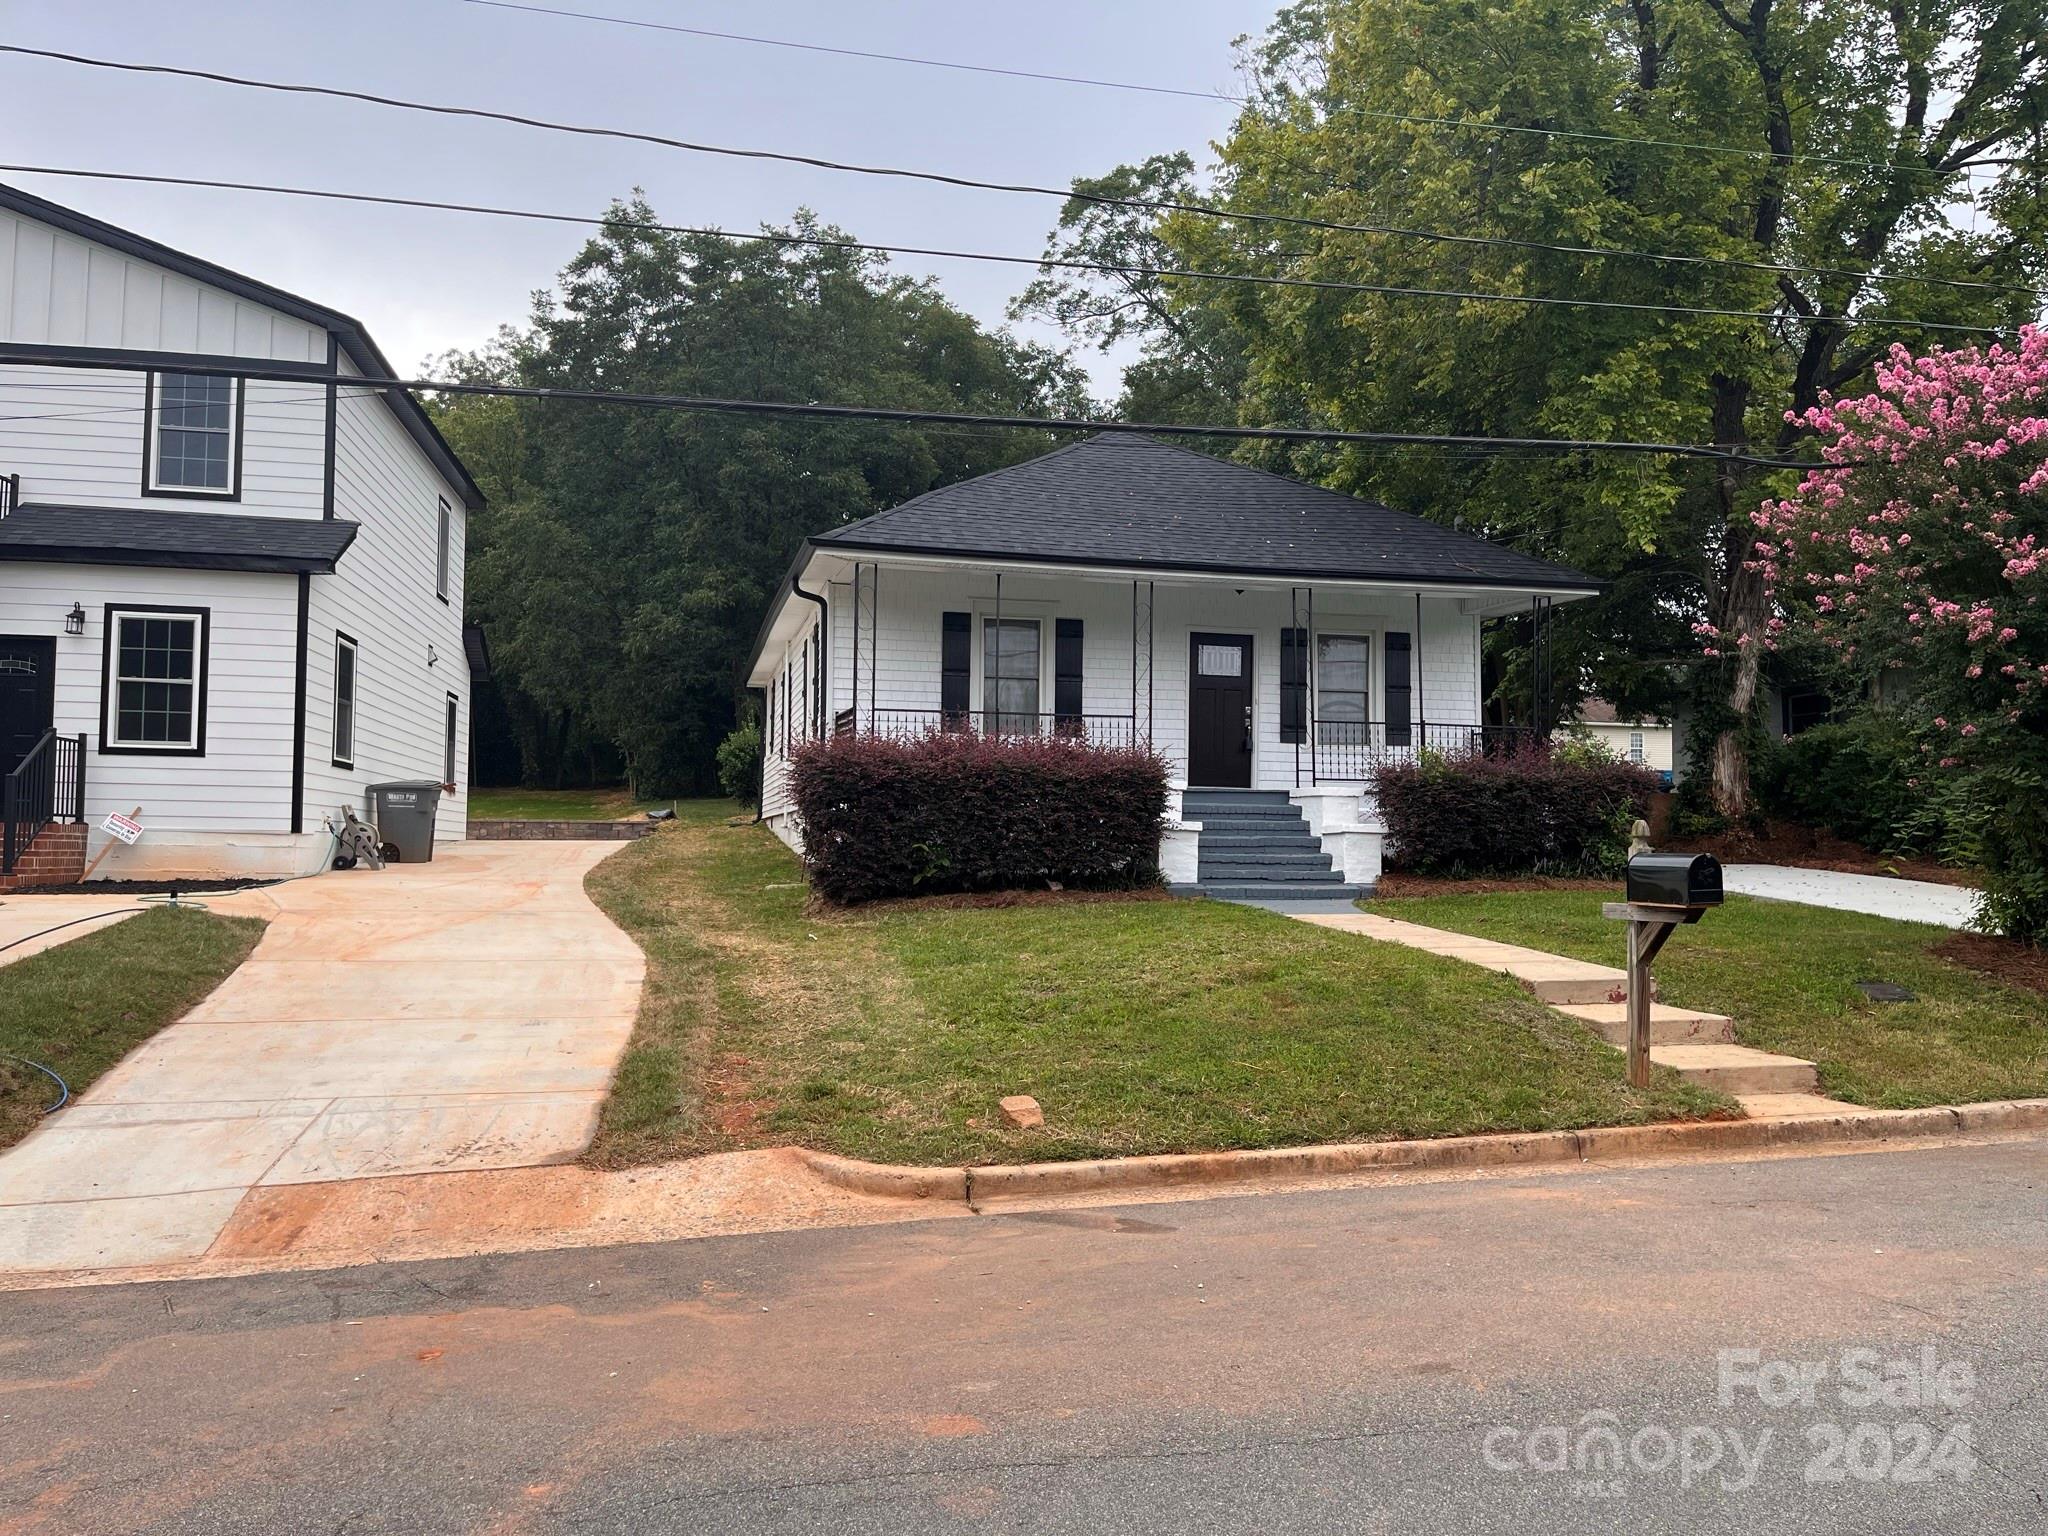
[1921,539]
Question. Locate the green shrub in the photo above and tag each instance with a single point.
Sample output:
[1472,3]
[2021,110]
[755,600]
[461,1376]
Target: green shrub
[1539,810]
[1865,779]
[739,763]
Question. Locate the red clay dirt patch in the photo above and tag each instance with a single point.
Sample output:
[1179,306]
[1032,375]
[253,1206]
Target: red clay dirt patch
[976,899]
[2003,959]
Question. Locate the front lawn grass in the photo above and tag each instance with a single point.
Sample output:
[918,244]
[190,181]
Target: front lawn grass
[1140,1025]
[82,1006]
[555,804]
[1786,974]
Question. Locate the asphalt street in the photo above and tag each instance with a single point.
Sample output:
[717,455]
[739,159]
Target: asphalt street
[1814,1344]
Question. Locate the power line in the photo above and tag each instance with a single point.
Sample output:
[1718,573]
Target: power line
[1074,264]
[818,162]
[1200,95]
[29,355]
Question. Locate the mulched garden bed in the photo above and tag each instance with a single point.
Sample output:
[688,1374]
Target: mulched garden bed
[143,887]
[978,899]
[1783,842]
[1394,886]
[2020,964]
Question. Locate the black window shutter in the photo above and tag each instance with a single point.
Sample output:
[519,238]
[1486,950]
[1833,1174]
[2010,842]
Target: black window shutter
[954,632]
[1294,685]
[1066,672]
[1400,676]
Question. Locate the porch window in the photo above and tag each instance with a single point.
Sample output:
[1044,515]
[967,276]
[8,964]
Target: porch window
[1343,690]
[1010,673]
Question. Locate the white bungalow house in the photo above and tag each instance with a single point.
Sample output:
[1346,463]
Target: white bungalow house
[1272,640]
[228,603]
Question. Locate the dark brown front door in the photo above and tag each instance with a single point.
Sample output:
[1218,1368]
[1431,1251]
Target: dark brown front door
[28,664]
[1220,711]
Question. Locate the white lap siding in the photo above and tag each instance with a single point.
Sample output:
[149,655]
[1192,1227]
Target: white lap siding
[898,665]
[789,715]
[409,654]
[242,784]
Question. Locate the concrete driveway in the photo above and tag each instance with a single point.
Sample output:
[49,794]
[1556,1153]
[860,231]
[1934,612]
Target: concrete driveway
[1912,901]
[461,1014]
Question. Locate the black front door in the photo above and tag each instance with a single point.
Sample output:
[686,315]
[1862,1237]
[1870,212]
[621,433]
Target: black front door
[1220,711]
[28,665]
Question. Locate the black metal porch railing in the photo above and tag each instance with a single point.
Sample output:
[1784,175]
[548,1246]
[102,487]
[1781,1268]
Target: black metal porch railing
[1344,751]
[10,493]
[902,724]
[47,785]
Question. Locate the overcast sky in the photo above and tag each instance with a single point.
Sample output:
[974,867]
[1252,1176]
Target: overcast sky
[425,281]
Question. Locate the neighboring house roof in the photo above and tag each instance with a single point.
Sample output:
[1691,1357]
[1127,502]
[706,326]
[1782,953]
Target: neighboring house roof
[1597,711]
[1123,500]
[193,541]
[346,330]
[476,653]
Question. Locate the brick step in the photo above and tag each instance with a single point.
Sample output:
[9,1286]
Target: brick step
[1668,1025]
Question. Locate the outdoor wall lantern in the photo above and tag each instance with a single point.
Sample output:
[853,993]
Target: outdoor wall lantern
[1664,890]
[74,621]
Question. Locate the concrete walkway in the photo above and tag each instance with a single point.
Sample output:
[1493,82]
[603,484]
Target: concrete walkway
[24,919]
[1911,901]
[1699,1047]
[461,1014]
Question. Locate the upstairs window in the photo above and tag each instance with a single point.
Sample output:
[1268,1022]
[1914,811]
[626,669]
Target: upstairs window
[195,429]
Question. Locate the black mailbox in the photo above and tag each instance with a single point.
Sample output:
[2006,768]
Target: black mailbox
[1674,880]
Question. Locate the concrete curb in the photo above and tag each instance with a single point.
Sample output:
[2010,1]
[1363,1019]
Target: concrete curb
[1521,1149]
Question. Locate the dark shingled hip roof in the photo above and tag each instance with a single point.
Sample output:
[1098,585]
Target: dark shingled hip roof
[193,541]
[1123,500]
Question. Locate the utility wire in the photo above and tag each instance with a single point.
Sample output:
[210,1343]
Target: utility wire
[1065,194]
[1200,95]
[1074,264]
[30,355]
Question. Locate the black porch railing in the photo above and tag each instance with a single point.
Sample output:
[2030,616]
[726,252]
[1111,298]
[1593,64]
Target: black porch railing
[47,785]
[1346,751]
[10,493]
[904,724]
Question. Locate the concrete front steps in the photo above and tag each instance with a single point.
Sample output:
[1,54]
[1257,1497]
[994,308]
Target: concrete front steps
[1699,1047]
[56,857]
[1255,845]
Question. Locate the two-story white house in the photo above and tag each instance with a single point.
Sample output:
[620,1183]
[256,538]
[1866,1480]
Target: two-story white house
[228,604]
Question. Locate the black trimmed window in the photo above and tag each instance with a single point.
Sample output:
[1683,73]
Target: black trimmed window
[344,701]
[1010,673]
[155,688]
[1066,673]
[448,742]
[1343,690]
[194,445]
[955,668]
[443,530]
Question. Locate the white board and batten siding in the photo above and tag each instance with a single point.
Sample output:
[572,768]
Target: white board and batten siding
[409,654]
[75,436]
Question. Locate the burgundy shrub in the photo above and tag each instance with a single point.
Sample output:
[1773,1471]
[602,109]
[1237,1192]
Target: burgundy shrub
[963,812]
[1537,809]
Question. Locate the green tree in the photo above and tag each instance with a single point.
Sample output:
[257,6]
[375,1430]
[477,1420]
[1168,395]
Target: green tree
[627,554]
[1866,124]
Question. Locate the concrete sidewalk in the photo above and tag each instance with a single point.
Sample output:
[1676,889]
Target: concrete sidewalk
[461,1014]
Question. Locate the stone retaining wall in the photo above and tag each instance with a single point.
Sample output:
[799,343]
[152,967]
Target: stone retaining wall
[560,831]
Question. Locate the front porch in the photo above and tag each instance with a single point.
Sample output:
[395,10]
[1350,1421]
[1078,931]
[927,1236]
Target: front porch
[1271,702]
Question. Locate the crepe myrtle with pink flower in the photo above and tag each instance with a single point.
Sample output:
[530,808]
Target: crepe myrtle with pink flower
[1919,547]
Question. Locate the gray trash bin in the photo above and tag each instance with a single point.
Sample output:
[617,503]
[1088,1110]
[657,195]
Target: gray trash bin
[404,812]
